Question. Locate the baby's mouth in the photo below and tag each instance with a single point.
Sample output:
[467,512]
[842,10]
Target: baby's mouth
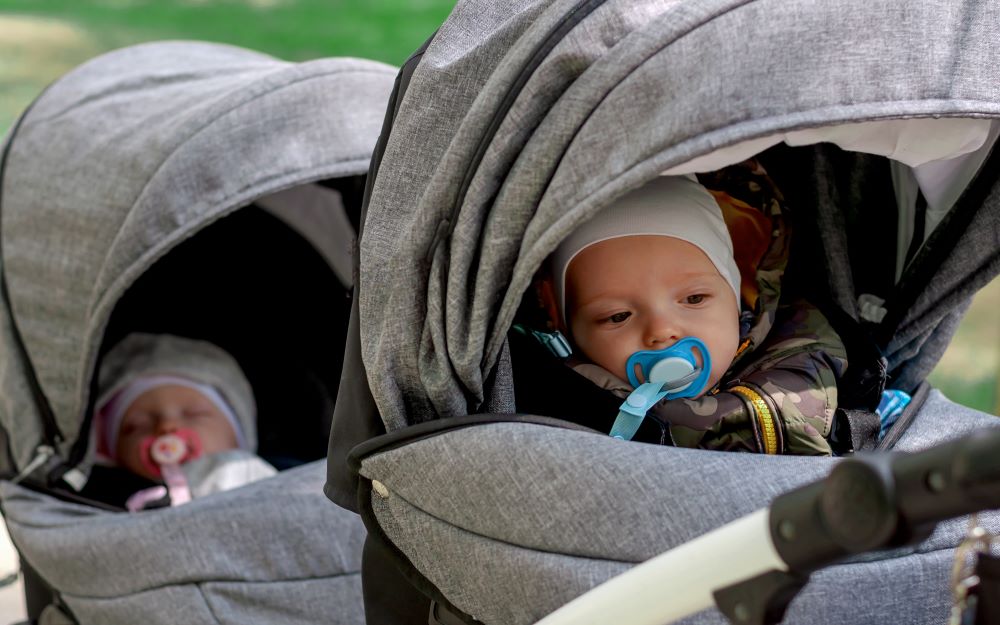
[172,449]
[681,369]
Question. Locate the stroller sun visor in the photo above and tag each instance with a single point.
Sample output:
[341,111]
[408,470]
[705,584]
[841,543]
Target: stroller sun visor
[935,157]
[944,154]
[913,142]
[128,156]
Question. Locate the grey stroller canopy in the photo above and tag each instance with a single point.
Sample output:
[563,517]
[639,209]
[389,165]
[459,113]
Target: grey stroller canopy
[516,123]
[186,188]
[124,160]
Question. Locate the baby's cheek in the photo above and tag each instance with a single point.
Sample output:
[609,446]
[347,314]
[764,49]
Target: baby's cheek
[718,370]
[721,359]
[216,436]
[129,458]
[614,358]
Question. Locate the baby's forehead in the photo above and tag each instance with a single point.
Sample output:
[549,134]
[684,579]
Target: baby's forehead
[169,393]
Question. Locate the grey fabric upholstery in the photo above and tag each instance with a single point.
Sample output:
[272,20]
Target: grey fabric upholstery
[522,120]
[275,551]
[541,514]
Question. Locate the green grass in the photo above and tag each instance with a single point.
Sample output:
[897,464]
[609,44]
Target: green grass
[969,372]
[385,30]
[42,39]
[979,394]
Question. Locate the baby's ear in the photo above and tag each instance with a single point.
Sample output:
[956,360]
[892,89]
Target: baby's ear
[546,293]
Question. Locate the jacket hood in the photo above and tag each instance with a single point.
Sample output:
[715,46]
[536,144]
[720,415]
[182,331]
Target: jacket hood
[755,214]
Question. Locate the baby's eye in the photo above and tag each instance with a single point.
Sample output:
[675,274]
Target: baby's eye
[619,317]
[136,422]
[696,299]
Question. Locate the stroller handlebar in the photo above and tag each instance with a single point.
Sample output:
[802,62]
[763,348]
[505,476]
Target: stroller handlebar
[879,501]
[687,575]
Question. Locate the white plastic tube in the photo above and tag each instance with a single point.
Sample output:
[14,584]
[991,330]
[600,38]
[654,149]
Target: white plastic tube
[680,582]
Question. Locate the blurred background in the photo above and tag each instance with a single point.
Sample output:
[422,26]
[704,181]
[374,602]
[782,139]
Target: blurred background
[42,39]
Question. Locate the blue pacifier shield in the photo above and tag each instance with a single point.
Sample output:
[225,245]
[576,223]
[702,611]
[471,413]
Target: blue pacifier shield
[676,367]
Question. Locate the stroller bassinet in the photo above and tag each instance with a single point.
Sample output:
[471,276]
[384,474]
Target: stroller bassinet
[516,123]
[211,192]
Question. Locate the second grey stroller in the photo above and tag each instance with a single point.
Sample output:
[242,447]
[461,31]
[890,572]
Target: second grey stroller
[192,189]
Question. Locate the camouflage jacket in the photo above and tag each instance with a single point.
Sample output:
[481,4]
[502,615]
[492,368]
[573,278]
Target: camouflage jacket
[780,393]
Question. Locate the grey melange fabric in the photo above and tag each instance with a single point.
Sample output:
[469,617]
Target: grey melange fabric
[114,165]
[275,551]
[544,514]
[489,165]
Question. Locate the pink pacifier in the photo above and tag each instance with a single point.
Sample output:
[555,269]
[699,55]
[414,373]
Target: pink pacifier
[174,448]
[163,456]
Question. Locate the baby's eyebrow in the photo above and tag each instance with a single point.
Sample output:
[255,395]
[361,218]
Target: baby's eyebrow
[701,274]
[616,302]
[132,417]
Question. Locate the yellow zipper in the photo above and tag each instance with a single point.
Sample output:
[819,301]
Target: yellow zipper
[764,417]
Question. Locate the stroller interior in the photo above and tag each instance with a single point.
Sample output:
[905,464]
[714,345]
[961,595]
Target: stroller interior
[219,287]
[211,193]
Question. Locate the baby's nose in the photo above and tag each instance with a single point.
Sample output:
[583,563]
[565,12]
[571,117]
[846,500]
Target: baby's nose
[662,342]
[166,424]
[663,333]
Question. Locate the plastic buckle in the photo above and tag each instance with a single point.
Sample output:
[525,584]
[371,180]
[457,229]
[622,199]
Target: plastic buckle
[554,341]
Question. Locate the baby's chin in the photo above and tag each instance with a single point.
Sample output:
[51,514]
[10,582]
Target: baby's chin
[141,471]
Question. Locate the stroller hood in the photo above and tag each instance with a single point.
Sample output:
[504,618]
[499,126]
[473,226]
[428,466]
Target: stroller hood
[521,121]
[127,156]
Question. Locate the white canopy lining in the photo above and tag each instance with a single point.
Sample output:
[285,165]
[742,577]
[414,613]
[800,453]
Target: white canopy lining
[937,156]
[319,216]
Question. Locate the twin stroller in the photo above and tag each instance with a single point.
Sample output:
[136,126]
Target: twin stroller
[515,122]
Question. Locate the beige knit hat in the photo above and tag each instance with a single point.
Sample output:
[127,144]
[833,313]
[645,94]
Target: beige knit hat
[668,206]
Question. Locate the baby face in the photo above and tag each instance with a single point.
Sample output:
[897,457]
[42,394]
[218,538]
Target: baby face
[646,292]
[165,409]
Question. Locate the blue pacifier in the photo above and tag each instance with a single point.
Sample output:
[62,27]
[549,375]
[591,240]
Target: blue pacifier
[675,367]
[667,373]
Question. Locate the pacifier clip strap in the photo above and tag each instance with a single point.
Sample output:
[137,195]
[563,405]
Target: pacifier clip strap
[634,410]
[169,452]
[177,484]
